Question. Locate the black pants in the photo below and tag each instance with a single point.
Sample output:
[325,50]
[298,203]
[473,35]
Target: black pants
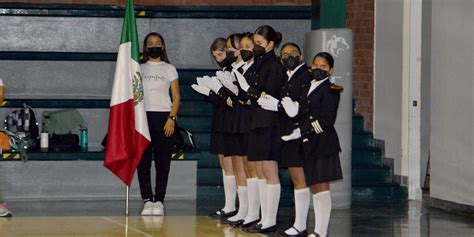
[161,147]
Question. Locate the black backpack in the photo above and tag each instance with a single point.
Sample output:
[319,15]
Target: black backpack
[183,141]
[22,122]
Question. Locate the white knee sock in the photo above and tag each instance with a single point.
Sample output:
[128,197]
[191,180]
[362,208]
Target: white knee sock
[243,204]
[254,202]
[273,199]
[322,212]
[301,211]
[262,188]
[230,191]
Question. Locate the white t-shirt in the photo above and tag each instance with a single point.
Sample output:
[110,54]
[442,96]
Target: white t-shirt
[157,78]
[1,82]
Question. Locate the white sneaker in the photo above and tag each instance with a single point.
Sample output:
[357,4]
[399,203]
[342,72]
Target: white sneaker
[4,212]
[147,209]
[158,209]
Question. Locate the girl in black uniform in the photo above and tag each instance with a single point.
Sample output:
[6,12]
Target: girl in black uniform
[218,97]
[291,151]
[234,139]
[240,130]
[317,109]
[263,137]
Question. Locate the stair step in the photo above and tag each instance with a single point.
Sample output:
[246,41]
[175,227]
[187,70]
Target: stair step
[208,160]
[195,107]
[367,176]
[367,157]
[393,192]
[285,179]
[357,123]
[213,176]
[216,193]
[195,123]
[209,176]
[187,93]
[202,140]
[210,192]
[362,140]
[188,76]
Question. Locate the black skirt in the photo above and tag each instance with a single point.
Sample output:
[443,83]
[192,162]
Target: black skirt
[217,143]
[291,154]
[235,144]
[264,144]
[323,169]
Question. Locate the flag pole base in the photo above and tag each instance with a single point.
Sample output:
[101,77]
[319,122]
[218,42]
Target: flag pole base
[126,201]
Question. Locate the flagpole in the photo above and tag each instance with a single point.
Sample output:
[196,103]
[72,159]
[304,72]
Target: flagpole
[126,201]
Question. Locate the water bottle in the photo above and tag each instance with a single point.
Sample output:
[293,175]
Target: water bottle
[84,137]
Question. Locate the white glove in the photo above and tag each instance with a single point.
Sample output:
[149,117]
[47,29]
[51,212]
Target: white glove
[211,83]
[227,80]
[268,103]
[201,89]
[293,136]
[291,107]
[199,81]
[241,80]
[226,74]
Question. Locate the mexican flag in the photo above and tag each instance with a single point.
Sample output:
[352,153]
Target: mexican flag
[128,134]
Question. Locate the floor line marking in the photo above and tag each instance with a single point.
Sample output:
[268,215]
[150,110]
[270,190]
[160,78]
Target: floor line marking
[127,227]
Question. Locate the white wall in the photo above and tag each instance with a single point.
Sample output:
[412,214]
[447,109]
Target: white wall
[425,102]
[388,81]
[452,104]
[388,77]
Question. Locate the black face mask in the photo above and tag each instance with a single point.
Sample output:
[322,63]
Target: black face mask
[319,74]
[155,52]
[246,55]
[258,50]
[291,62]
[228,60]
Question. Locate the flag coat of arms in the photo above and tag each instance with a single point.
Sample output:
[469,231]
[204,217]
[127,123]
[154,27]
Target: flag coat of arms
[128,134]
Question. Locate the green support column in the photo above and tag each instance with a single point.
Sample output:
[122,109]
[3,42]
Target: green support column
[328,14]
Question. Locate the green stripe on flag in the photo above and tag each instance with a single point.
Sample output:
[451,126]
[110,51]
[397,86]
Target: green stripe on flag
[129,30]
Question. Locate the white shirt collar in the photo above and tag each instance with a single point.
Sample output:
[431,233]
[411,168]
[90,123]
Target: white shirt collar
[291,73]
[236,65]
[247,66]
[315,84]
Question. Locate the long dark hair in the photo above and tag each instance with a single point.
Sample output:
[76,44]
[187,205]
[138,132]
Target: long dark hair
[328,57]
[235,40]
[146,57]
[270,34]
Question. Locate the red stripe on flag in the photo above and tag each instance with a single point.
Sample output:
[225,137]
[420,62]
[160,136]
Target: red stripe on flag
[125,146]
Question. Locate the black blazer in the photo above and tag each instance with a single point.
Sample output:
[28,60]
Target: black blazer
[221,110]
[293,89]
[321,107]
[269,78]
[241,103]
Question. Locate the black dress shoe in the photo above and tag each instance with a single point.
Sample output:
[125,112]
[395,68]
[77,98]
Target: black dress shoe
[258,229]
[267,230]
[246,225]
[225,216]
[236,223]
[299,233]
[254,228]
[222,214]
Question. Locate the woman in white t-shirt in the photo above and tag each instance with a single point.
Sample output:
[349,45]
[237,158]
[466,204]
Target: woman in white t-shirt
[159,77]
